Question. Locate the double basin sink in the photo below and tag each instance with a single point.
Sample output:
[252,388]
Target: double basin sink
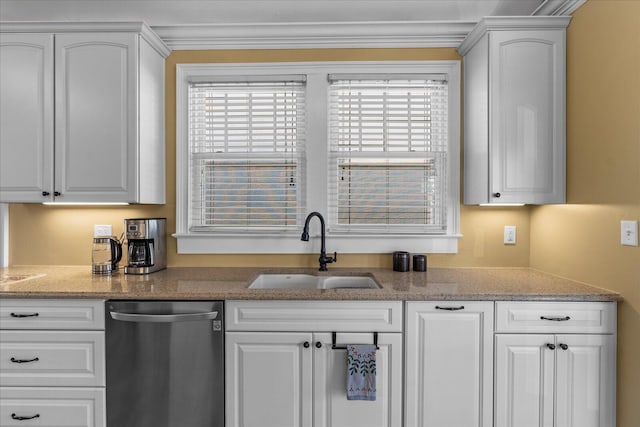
[308,281]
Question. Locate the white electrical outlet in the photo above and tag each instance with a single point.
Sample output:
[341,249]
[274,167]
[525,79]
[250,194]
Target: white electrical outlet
[102,230]
[629,233]
[509,234]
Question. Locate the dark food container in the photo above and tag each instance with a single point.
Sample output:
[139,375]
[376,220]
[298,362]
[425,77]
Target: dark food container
[419,263]
[401,261]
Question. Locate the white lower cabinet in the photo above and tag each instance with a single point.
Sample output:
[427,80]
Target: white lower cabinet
[52,363]
[449,364]
[555,379]
[296,379]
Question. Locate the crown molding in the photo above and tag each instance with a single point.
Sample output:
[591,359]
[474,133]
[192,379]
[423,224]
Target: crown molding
[502,23]
[300,35]
[558,7]
[86,27]
[315,35]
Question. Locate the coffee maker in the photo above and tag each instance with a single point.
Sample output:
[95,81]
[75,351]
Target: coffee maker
[146,242]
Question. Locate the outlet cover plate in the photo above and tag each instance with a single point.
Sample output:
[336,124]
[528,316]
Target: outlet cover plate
[629,233]
[102,230]
[509,234]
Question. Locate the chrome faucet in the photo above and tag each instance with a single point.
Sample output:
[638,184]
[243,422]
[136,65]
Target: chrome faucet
[323,259]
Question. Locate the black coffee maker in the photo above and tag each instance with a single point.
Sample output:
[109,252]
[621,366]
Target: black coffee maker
[146,245]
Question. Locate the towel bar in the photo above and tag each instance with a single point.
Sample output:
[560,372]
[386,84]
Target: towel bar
[337,347]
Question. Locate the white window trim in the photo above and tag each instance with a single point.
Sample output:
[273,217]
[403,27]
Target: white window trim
[316,140]
[4,235]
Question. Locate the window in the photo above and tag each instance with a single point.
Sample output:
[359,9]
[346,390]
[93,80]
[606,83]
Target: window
[388,148]
[374,147]
[246,152]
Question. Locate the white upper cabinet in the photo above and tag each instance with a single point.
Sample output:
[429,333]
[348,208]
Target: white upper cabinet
[26,116]
[514,111]
[102,139]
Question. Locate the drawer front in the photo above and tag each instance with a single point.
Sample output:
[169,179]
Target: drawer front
[556,317]
[51,314]
[52,407]
[317,316]
[52,358]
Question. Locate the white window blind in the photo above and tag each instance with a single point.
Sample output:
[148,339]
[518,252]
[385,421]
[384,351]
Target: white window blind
[388,153]
[246,154]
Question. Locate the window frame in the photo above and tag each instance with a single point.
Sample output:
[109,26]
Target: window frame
[316,185]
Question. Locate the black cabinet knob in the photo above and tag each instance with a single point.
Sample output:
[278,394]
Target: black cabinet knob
[318,344]
[563,346]
[57,193]
[45,193]
[306,344]
[497,195]
[551,346]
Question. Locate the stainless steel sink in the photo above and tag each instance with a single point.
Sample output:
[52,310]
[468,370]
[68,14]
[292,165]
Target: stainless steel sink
[308,281]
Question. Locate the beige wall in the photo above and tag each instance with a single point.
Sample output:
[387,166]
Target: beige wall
[62,235]
[581,240]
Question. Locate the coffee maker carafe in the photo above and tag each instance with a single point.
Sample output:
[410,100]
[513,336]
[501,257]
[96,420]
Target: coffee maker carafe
[146,245]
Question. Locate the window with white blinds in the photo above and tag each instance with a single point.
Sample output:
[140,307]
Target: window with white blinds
[246,153]
[388,144]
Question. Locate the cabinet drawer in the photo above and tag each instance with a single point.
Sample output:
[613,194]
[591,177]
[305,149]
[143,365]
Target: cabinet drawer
[51,314]
[54,407]
[556,317]
[318,316]
[52,358]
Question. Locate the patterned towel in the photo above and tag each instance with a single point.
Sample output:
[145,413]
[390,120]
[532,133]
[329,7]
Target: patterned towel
[361,372]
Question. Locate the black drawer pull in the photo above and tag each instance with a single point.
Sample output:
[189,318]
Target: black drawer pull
[25,315]
[450,308]
[14,360]
[19,418]
[556,319]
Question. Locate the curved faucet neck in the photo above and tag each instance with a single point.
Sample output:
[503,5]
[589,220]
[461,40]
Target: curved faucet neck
[322,229]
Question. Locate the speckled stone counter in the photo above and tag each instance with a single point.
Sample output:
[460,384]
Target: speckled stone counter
[218,283]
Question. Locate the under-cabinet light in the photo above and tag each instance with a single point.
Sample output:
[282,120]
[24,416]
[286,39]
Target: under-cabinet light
[501,204]
[85,204]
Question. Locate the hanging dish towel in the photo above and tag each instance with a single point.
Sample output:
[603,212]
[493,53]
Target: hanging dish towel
[361,372]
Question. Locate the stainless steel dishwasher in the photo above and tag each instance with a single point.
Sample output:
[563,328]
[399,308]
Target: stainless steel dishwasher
[165,363]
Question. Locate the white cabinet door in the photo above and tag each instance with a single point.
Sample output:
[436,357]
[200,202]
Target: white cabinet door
[528,113]
[524,380]
[331,407]
[26,117]
[268,379]
[449,364]
[585,383]
[96,81]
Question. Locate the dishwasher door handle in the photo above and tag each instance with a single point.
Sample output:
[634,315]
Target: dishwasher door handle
[162,318]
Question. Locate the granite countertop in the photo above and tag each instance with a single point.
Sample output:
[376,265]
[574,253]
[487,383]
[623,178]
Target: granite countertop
[220,283]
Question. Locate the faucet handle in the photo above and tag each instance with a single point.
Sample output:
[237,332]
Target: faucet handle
[335,256]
